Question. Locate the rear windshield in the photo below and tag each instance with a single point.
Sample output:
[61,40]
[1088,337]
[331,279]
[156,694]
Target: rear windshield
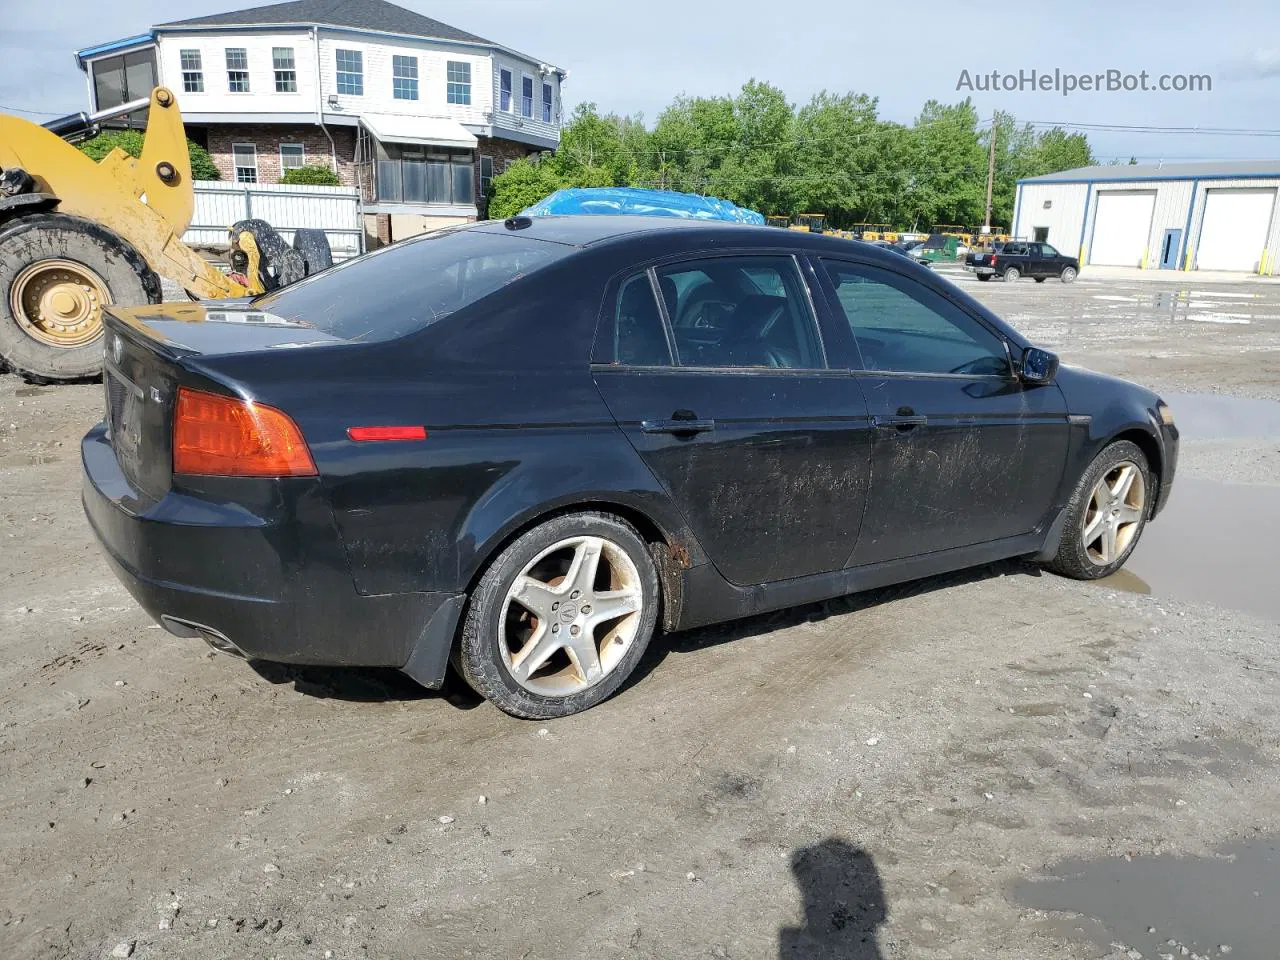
[408,285]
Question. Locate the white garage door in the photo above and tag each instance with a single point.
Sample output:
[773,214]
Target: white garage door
[1235,229]
[1122,227]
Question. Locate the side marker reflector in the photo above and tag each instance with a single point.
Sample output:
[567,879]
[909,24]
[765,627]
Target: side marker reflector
[362,434]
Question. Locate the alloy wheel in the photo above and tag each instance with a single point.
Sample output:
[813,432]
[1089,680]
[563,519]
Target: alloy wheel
[570,617]
[1117,507]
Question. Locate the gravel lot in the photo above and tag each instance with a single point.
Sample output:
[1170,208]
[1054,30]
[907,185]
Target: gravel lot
[897,774]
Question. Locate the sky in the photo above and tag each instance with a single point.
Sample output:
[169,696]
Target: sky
[635,57]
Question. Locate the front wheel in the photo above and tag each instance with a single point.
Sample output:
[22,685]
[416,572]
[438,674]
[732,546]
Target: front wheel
[560,619]
[1012,274]
[1068,274]
[1106,514]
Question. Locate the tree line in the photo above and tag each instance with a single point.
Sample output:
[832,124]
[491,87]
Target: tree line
[833,155]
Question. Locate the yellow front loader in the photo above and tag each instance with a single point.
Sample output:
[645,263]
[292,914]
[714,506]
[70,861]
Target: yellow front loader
[77,235]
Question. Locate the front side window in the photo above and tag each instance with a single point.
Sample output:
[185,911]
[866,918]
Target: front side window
[504,95]
[350,68]
[244,156]
[292,156]
[903,327]
[404,78]
[526,96]
[285,69]
[546,103]
[458,75]
[192,72]
[740,312]
[237,70]
[635,335]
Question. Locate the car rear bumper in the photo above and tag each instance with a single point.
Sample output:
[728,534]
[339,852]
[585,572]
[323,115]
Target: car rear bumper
[267,584]
[977,269]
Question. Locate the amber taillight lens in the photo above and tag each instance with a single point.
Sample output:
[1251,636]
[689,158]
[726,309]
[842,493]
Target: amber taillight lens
[222,436]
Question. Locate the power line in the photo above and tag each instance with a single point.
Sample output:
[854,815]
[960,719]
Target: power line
[36,113]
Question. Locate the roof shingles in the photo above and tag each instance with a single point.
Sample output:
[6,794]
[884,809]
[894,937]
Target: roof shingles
[376,15]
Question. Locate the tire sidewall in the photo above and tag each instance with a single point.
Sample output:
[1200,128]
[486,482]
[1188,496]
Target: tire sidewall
[1069,274]
[1072,558]
[1012,274]
[479,655]
[57,236]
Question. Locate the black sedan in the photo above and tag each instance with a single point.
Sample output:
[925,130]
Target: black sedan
[524,447]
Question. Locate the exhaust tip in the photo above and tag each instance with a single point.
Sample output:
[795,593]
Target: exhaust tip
[191,630]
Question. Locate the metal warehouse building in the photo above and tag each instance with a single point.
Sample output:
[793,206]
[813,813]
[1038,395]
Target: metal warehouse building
[1173,216]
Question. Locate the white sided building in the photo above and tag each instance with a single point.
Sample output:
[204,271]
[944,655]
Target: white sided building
[1173,216]
[415,113]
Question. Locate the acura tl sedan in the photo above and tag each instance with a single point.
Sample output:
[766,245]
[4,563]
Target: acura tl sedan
[524,447]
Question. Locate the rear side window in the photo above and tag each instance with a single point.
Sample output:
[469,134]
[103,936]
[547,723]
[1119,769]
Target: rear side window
[636,334]
[409,285]
[740,312]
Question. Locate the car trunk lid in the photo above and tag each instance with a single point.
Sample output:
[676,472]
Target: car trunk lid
[148,356]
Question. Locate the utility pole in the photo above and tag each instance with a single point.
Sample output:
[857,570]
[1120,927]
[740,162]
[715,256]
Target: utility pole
[991,174]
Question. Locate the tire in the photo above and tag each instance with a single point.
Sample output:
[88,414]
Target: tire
[559,687]
[108,263]
[1068,274]
[278,264]
[313,246]
[1076,557]
[984,277]
[1040,279]
[1012,274]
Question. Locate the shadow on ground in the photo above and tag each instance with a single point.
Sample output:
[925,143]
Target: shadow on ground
[843,904]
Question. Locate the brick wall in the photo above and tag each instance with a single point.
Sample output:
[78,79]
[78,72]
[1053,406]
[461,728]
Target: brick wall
[503,152]
[267,137]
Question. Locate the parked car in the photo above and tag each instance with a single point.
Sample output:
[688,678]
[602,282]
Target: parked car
[903,250]
[1018,258]
[527,446]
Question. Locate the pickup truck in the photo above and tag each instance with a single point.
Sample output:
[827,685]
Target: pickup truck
[1021,258]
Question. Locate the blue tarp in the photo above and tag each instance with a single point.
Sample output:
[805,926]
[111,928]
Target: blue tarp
[637,202]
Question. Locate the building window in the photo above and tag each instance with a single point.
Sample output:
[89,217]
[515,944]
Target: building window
[237,70]
[286,70]
[409,174]
[546,103]
[292,156]
[118,80]
[504,95]
[404,78]
[486,175]
[244,157]
[458,75]
[350,65]
[526,96]
[192,72]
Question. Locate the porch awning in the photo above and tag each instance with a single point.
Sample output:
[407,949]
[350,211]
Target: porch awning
[423,131]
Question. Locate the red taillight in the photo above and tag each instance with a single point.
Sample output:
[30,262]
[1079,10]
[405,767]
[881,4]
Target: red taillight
[387,433]
[222,436]
[993,259]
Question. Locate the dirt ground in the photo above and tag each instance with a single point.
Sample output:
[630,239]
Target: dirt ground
[882,776]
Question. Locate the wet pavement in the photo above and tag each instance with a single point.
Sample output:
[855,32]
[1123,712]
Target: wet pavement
[1215,541]
[1171,906]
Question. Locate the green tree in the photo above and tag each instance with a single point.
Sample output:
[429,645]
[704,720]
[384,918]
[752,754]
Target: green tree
[130,141]
[522,185]
[316,175]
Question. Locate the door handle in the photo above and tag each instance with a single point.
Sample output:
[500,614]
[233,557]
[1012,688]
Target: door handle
[900,424]
[678,426]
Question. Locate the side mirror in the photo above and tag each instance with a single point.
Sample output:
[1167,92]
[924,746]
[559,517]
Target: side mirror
[1039,366]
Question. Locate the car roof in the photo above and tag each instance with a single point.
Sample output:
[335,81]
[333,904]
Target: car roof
[590,230]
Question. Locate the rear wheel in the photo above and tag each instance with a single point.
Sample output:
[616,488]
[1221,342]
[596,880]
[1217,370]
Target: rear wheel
[57,272]
[1106,514]
[561,617]
[1012,274]
[984,277]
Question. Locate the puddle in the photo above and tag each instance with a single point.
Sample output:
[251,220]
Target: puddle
[1213,542]
[1209,416]
[30,392]
[1198,903]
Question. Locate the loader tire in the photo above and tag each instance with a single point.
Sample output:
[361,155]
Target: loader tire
[313,246]
[57,272]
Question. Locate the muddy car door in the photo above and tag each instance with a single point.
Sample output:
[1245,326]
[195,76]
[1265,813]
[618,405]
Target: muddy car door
[963,452]
[715,371]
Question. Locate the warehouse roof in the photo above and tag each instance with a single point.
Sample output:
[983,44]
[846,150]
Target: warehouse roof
[376,15]
[1216,169]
